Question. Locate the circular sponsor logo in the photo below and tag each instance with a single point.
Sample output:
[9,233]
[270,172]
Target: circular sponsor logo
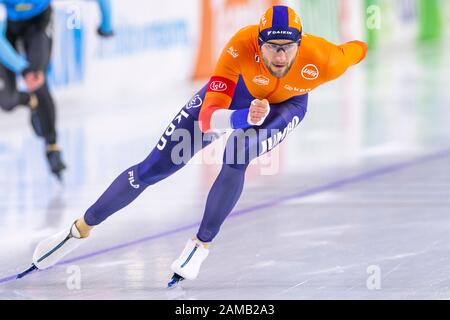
[218,86]
[195,102]
[310,72]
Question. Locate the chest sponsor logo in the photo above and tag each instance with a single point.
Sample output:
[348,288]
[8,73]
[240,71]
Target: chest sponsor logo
[300,90]
[310,72]
[218,86]
[261,80]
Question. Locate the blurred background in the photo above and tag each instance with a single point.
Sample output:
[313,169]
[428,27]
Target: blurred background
[116,96]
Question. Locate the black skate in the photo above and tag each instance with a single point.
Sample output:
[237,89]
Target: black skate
[56,163]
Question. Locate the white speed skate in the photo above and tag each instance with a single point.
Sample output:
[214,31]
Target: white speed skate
[51,250]
[187,266]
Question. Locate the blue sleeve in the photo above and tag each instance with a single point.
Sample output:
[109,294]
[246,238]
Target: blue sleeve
[239,117]
[8,56]
[105,8]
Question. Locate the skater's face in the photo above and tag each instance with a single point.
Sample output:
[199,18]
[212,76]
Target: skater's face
[278,56]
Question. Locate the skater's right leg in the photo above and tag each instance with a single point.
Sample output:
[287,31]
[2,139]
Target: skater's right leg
[159,165]
[162,162]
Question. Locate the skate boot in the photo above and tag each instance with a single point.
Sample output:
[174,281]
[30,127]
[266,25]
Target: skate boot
[51,250]
[55,162]
[187,266]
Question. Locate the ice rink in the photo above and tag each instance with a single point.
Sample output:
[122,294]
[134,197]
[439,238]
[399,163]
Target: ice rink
[354,204]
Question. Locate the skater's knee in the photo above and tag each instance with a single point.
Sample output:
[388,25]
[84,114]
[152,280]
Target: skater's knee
[240,150]
[151,172]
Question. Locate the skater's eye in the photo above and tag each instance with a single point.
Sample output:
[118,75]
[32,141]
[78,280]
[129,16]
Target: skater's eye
[275,47]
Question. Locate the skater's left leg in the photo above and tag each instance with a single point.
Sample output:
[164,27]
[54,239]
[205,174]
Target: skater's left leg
[245,145]
[38,46]
[223,196]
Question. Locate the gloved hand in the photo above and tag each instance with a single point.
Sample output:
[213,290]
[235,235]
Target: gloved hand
[259,110]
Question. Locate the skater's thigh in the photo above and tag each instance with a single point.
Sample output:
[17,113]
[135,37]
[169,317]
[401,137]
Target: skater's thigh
[181,140]
[37,40]
[245,145]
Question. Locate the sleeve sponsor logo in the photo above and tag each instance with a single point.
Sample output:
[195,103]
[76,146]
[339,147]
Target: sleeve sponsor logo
[263,21]
[310,72]
[195,102]
[233,52]
[218,86]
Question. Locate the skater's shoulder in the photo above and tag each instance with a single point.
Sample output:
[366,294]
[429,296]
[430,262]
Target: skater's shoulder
[245,38]
[315,48]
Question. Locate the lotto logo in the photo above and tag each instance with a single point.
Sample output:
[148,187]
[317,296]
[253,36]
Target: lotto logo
[218,86]
[310,72]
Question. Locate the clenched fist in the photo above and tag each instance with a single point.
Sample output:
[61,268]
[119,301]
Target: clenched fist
[259,109]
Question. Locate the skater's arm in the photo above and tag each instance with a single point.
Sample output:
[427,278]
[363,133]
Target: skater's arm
[214,114]
[344,56]
[8,56]
[106,27]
